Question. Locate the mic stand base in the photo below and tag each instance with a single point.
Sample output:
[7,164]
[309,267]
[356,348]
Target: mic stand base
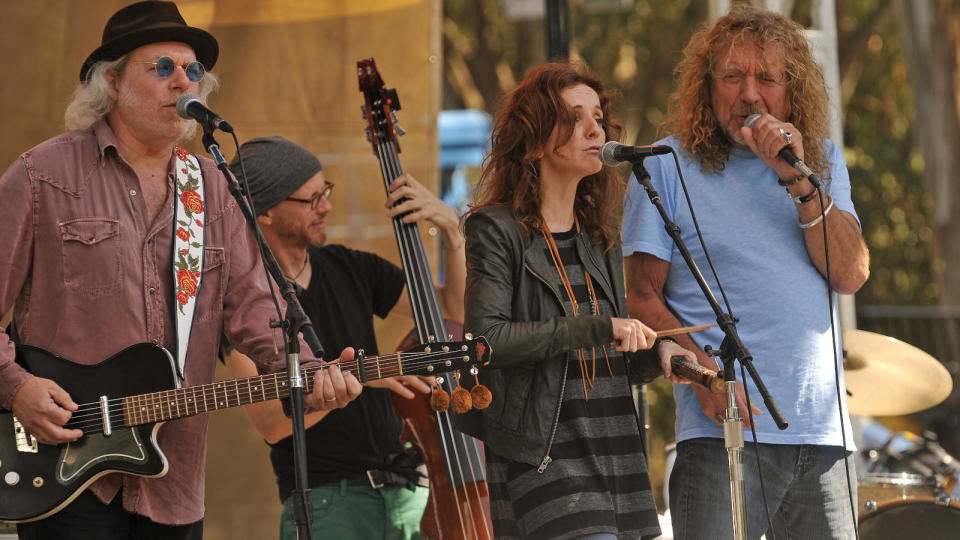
[733,440]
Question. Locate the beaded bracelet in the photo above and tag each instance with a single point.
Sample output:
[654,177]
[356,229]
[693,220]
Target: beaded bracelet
[817,219]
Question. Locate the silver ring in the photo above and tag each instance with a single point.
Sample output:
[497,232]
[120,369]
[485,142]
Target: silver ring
[786,135]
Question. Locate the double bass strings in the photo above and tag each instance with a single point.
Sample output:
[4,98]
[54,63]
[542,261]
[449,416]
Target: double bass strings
[419,285]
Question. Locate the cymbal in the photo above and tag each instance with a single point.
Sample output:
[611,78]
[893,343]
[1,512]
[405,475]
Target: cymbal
[887,377]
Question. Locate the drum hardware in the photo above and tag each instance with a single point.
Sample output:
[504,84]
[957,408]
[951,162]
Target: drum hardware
[908,491]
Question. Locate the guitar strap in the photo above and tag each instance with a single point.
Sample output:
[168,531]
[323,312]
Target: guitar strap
[188,215]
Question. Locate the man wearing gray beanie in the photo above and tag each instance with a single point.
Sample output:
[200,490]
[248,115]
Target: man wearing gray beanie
[365,484]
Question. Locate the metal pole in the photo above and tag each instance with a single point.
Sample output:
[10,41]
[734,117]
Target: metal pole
[558,29]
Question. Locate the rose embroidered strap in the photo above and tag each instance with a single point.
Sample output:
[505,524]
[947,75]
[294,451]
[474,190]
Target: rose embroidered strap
[188,213]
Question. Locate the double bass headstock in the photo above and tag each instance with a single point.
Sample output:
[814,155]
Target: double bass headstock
[380,105]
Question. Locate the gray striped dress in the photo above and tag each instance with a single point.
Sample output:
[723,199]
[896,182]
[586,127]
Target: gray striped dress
[597,481]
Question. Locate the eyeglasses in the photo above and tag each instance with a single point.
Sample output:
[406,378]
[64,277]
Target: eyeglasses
[315,200]
[165,67]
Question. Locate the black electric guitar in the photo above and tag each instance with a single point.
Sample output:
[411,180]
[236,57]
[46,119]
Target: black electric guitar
[124,400]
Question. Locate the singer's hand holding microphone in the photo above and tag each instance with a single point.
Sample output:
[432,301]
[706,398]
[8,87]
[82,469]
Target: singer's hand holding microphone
[780,145]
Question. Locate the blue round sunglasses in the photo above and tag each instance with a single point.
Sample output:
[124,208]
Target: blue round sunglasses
[165,67]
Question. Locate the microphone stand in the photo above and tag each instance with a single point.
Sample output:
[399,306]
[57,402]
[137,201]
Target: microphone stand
[294,323]
[731,349]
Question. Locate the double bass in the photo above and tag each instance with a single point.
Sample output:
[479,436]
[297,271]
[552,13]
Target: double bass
[458,507]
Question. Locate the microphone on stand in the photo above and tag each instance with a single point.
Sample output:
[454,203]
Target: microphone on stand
[190,107]
[787,155]
[614,153]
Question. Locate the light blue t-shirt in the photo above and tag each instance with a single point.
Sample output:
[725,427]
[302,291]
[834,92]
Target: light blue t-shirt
[749,224]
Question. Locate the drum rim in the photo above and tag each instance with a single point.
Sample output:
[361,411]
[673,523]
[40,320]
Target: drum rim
[908,501]
[896,479]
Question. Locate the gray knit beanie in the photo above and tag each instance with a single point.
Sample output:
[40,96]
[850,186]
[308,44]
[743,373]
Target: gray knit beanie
[276,167]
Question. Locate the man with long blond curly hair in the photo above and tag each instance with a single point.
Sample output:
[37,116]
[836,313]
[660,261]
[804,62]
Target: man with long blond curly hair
[768,248]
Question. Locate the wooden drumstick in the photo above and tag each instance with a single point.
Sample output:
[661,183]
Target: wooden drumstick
[683,330]
[698,374]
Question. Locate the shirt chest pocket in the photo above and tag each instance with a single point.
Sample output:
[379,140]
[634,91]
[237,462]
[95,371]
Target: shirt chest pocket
[212,285]
[90,255]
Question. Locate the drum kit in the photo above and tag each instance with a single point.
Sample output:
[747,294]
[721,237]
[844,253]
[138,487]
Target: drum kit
[908,487]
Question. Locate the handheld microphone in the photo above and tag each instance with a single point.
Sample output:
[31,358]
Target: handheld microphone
[613,152]
[787,155]
[190,107]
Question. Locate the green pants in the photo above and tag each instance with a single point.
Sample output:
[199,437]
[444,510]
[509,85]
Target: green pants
[345,511]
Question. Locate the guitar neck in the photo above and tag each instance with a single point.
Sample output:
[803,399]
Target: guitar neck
[182,402]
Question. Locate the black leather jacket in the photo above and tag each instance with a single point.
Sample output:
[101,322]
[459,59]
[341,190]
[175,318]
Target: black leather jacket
[511,299]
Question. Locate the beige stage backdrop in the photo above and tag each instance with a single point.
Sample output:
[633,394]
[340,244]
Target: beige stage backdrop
[287,67]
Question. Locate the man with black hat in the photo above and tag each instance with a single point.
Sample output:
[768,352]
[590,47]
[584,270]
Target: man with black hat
[364,484]
[113,235]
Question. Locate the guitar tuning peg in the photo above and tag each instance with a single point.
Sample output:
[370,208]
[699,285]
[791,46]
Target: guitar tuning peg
[400,131]
[431,339]
[367,131]
[363,109]
[393,116]
[468,336]
[449,337]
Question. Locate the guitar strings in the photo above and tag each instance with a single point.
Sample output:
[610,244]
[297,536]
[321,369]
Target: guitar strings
[413,361]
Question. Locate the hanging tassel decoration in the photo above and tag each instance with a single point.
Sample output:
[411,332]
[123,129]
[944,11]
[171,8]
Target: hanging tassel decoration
[439,398]
[481,394]
[462,402]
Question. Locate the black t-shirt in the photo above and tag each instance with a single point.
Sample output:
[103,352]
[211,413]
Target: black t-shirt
[346,289]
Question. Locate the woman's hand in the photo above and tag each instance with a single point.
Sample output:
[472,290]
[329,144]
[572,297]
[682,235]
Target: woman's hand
[631,335]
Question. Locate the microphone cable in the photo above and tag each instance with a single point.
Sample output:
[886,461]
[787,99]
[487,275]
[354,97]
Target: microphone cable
[836,361]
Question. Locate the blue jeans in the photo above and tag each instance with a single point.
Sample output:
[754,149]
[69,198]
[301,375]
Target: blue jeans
[806,489]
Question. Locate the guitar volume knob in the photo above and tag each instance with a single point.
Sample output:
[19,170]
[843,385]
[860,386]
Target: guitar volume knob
[12,478]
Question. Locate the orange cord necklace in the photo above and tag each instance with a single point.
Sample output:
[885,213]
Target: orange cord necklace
[568,288]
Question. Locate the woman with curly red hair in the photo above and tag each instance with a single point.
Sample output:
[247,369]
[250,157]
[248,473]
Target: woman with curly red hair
[545,286]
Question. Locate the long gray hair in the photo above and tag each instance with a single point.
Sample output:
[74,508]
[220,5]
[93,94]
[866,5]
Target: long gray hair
[91,99]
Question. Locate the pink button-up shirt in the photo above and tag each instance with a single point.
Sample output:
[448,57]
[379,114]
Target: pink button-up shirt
[89,275]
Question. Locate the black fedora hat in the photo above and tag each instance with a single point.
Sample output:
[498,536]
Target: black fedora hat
[148,22]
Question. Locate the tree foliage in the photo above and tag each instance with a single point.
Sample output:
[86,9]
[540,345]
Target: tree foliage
[634,46]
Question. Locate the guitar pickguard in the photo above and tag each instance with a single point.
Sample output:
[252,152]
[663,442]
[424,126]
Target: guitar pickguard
[124,445]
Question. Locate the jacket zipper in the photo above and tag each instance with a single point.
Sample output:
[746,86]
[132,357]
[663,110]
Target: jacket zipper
[563,384]
[556,420]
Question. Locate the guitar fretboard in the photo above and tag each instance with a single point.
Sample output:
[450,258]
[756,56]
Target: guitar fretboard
[182,402]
